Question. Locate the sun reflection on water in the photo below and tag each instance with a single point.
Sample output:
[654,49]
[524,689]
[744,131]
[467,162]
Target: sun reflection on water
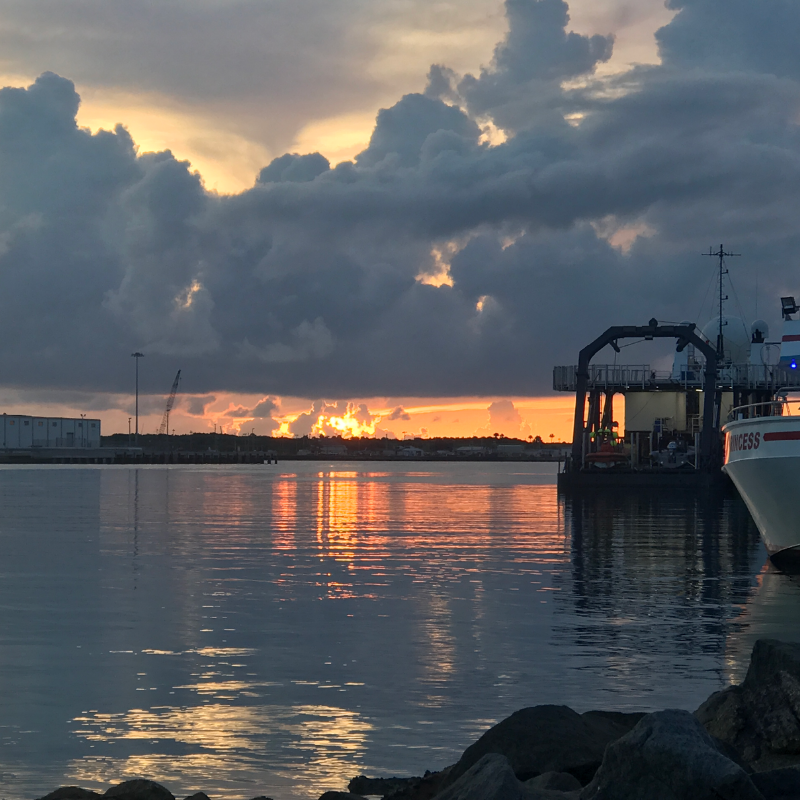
[223,747]
[238,645]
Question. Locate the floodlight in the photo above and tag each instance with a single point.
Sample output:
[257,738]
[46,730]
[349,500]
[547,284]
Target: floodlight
[788,307]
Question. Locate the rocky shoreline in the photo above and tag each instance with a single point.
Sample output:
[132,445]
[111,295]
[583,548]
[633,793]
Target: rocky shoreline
[743,743]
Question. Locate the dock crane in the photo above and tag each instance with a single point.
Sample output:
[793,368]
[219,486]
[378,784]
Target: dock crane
[170,402]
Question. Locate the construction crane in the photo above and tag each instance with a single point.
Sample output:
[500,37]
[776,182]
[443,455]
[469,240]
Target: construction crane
[170,402]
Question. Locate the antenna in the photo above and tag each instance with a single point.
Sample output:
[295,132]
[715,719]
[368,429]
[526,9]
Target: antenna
[723,271]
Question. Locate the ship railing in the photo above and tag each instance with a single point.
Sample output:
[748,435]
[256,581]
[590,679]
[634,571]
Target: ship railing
[620,377]
[602,376]
[769,408]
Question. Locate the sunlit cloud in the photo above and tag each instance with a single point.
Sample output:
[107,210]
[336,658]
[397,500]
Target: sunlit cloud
[227,160]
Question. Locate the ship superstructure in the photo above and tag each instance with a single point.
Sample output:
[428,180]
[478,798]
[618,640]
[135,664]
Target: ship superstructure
[672,418]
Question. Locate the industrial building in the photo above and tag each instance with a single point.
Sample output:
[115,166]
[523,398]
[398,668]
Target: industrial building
[20,432]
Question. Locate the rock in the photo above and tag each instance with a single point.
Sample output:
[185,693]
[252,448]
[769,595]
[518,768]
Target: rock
[668,756]
[426,788]
[769,657]
[761,718]
[381,786]
[555,781]
[532,793]
[491,778]
[549,739]
[71,793]
[778,784]
[139,789]
[204,796]
[340,796]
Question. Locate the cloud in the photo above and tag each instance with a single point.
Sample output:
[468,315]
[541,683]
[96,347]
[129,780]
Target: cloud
[250,71]
[265,408]
[762,42]
[294,168]
[307,283]
[237,413]
[196,406]
[309,340]
[504,418]
[399,413]
[304,424]
[537,54]
[403,130]
[504,412]
[258,420]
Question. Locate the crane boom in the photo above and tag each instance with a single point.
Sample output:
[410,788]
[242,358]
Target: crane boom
[170,402]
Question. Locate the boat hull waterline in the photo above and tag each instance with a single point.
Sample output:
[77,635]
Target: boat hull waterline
[762,458]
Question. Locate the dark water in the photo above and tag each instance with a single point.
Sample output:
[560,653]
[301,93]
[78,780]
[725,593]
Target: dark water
[279,629]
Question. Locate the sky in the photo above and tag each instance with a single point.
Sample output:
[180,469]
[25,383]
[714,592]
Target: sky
[388,218]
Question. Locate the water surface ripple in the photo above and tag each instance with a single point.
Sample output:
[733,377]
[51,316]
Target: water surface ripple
[279,629]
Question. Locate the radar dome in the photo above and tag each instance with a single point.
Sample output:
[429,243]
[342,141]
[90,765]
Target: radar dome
[735,338]
[759,330]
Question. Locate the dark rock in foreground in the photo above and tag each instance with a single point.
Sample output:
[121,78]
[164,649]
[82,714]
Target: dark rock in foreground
[554,782]
[71,793]
[760,718]
[549,739]
[491,778]
[668,755]
[553,786]
[778,784]
[339,796]
[136,789]
[382,786]
[424,788]
[139,789]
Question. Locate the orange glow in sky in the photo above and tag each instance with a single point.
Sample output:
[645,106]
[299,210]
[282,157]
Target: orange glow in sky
[397,417]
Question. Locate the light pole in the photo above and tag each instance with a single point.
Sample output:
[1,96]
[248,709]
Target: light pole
[137,356]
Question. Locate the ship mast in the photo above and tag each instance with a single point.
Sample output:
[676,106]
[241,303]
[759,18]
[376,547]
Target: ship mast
[723,271]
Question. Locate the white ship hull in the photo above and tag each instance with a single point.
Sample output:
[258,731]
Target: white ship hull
[762,458]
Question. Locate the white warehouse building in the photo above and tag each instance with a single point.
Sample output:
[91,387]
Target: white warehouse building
[23,433]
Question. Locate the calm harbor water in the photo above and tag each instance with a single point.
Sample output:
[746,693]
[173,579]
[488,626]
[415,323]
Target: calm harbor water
[279,629]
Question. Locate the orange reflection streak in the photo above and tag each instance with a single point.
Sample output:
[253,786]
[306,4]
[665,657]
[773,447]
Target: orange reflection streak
[358,524]
[284,514]
[338,514]
[428,523]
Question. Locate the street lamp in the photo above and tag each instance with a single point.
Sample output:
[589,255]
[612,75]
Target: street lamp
[137,356]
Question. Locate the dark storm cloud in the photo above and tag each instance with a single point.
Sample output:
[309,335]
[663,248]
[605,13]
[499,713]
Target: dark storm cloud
[307,283]
[292,167]
[537,54]
[724,34]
